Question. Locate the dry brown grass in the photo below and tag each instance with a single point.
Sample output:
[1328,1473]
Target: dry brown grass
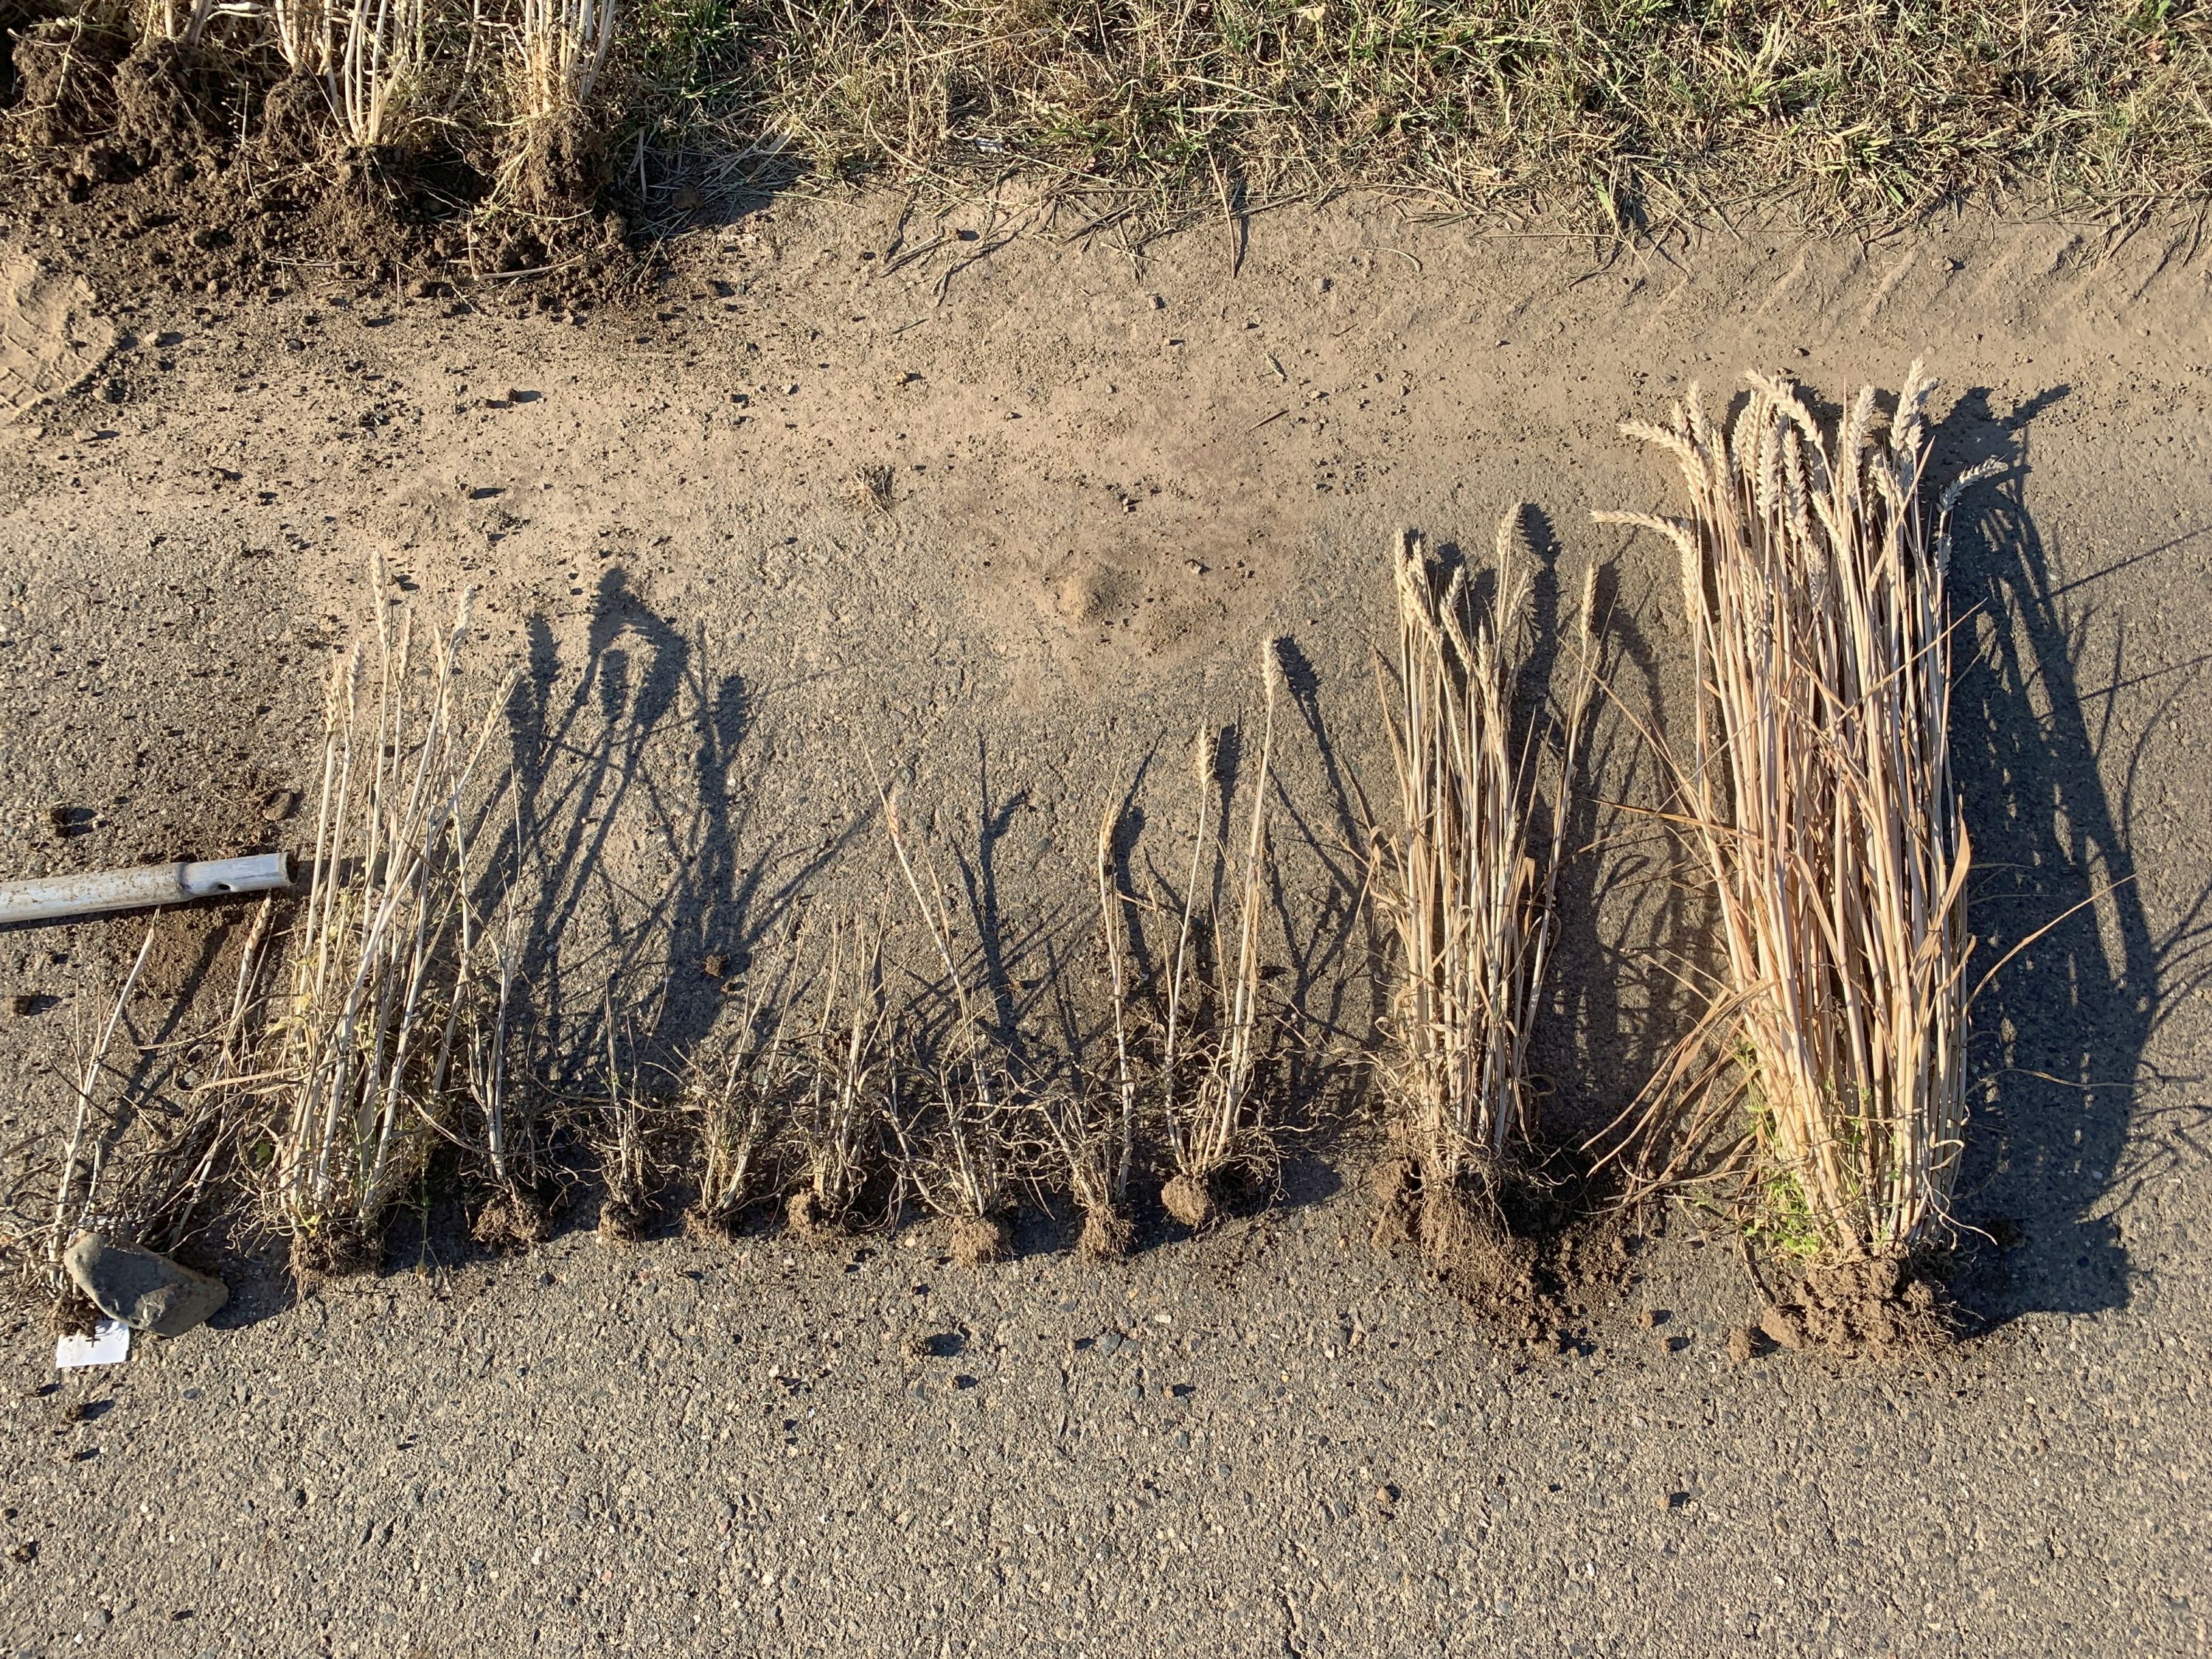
[1467,877]
[1615,111]
[1612,115]
[365,1055]
[1816,795]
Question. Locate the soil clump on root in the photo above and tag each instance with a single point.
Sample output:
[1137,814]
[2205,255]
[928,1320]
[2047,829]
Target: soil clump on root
[1188,1201]
[1199,1203]
[512,1222]
[333,1253]
[1886,1308]
[810,1224]
[621,1222]
[977,1242]
[1512,1251]
[1107,1236]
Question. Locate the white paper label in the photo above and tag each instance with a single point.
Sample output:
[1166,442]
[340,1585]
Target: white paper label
[108,1345]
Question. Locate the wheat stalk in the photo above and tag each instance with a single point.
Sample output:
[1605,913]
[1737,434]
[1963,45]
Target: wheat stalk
[1818,796]
[383,951]
[1469,878]
[967,1176]
[1220,1119]
[848,1086]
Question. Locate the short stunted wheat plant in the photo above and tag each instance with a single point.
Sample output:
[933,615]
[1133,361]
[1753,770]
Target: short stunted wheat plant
[1818,798]
[964,1173]
[1467,877]
[386,953]
[847,1087]
[1217,1036]
[739,1093]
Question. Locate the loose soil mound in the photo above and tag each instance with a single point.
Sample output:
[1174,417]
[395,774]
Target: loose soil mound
[1886,1307]
[1518,1252]
[141,148]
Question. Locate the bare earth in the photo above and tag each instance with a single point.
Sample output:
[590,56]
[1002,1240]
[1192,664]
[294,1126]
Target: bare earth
[1106,484]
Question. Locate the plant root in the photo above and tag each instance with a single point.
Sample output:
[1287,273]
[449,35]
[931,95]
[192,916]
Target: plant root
[1106,1236]
[1395,1186]
[1189,1202]
[707,1227]
[978,1240]
[73,1313]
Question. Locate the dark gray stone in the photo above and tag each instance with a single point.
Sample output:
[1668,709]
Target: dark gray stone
[146,1292]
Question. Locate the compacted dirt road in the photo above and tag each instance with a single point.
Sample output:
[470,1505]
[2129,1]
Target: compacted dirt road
[1018,525]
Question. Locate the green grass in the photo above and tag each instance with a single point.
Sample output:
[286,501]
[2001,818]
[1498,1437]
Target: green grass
[1615,110]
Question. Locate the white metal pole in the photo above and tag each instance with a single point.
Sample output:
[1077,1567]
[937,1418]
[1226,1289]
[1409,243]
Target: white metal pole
[52,898]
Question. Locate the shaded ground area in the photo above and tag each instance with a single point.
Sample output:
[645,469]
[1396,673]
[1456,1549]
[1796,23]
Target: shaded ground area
[1020,523]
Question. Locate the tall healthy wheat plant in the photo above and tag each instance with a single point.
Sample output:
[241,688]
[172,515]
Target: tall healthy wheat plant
[1818,796]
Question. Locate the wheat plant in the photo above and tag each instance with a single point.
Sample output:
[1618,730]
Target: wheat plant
[1817,797]
[560,50]
[739,1092]
[386,949]
[1217,1036]
[848,1087]
[965,1174]
[1467,877]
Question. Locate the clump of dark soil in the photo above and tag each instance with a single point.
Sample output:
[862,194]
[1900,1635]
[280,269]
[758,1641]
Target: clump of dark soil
[330,1252]
[1887,1307]
[562,170]
[1199,1203]
[705,1226]
[169,103]
[1107,1236]
[63,72]
[977,1240]
[621,1221]
[1188,1201]
[512,1221]
[1508,1248]
[295,130]
[73,1313]
[142,147]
